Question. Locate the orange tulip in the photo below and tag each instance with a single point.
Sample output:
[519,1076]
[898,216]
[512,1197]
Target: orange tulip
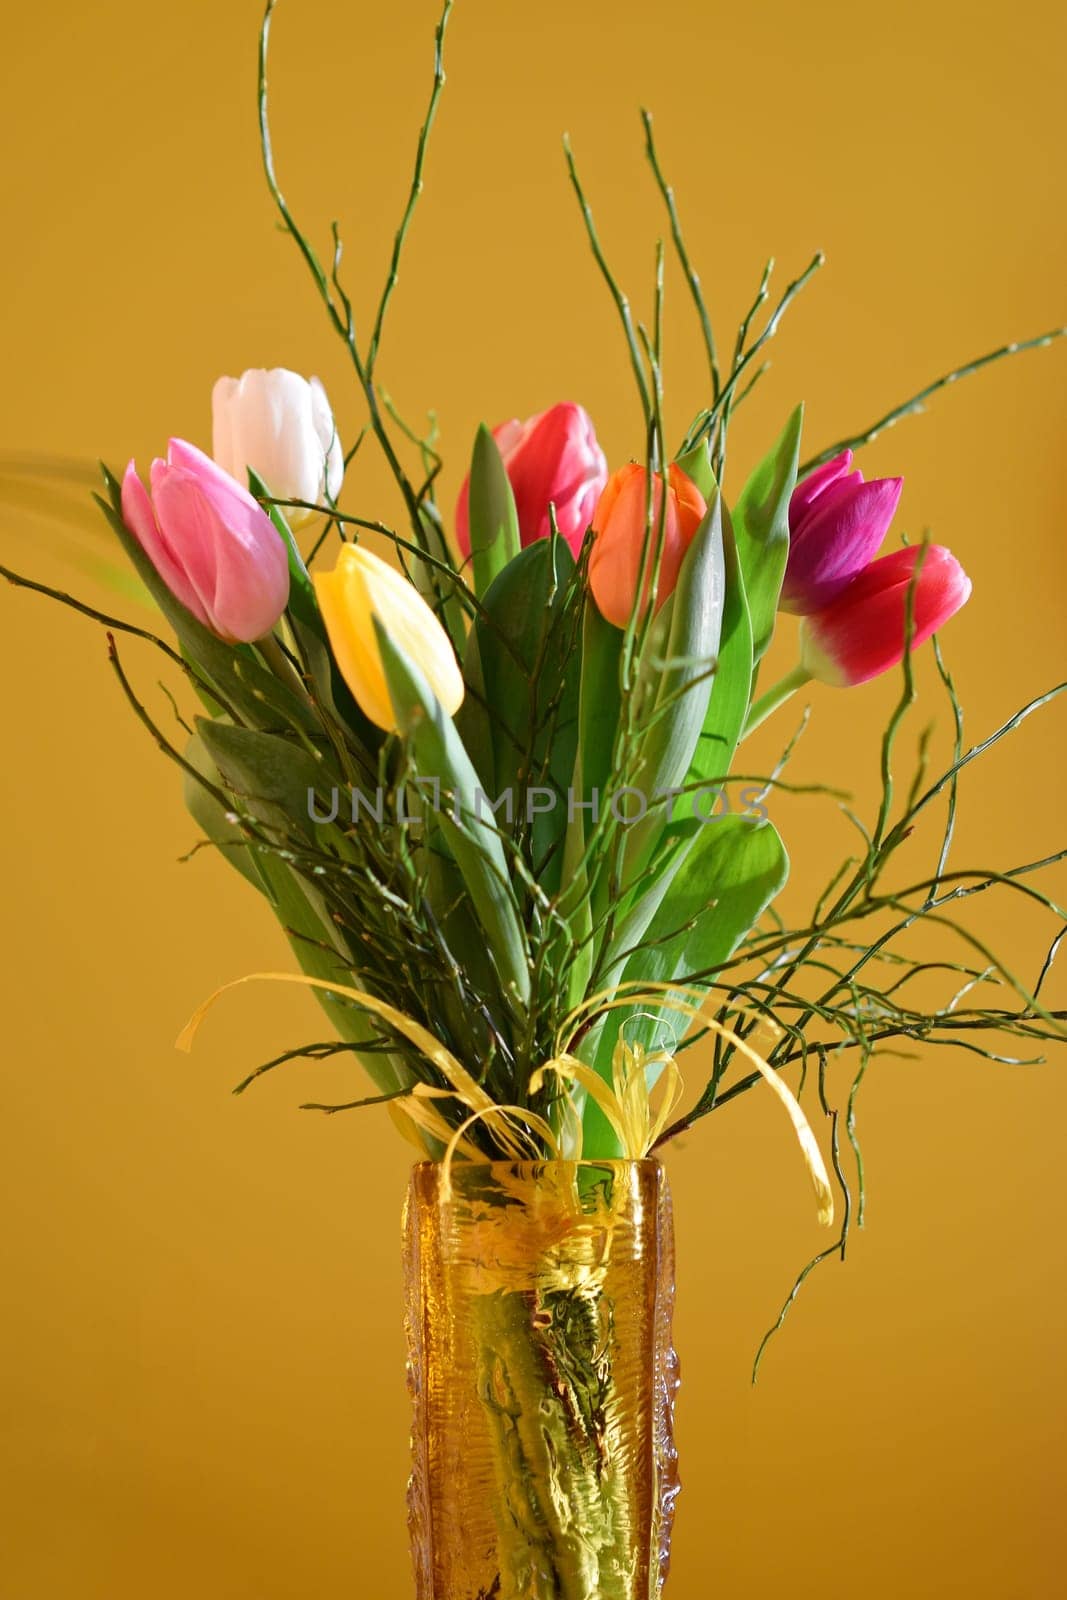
[619,523]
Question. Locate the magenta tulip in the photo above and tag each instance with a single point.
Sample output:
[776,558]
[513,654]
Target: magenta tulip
[836,525]
[551,458]
[212,544]
[861,633]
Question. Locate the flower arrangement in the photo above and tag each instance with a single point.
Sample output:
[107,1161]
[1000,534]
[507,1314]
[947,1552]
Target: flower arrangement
[492,791]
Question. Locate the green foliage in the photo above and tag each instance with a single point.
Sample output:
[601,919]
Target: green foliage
[722,877]
[761,530]
[494,522]
[521,720]
[464,819]
[681,685]
[273,776]
[732,688]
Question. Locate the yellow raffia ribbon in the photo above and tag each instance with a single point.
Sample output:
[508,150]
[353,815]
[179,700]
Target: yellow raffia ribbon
[631,1115]
[516,1142]
[626,1102]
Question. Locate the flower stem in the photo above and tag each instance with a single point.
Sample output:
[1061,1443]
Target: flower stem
[776,696]
[279,663]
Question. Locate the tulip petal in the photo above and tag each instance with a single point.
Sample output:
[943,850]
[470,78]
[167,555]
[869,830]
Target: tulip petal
[557,461]
[140,518]
[838,537]
[276,427]
[551,458]
[861,633]
[619,525]
[179,517]
[326,434]
[363,588]
[809,488]
[280,425]
[229,550]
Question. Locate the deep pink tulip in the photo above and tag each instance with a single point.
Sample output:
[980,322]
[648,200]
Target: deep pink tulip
[551,457]
[214,547]
[836,524]
[861,632]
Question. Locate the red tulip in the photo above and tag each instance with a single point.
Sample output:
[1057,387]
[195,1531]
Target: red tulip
[861,633]
[552,457]
[619,524]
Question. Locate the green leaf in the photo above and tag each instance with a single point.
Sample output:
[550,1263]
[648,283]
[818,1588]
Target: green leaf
[302,603]
[761,528]
[472,718]
[524,654]
[439,754]
[270,774]
[494,521]
[696,464]
[334,698]
[435,575]
[314,938]
[684,683]
[301,911]
[732,686]
[212,818]
[599,703]
[733,869]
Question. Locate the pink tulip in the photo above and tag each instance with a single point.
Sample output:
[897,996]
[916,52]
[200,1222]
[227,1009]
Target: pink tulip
[214,547]
[553,457]
[836,524]
[861,633]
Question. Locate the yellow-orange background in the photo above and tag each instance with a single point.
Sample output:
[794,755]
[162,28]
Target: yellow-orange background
[202,1354]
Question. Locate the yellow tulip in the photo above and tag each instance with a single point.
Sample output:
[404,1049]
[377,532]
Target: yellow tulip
[362,587]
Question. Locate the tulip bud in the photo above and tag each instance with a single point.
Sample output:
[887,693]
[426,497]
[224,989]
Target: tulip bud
[619,524]
[836,525]
[360,588]
[281,426]
[862,632]
[212,544]
[550,458]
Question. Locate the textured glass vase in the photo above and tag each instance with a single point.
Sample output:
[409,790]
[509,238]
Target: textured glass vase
[539,1301]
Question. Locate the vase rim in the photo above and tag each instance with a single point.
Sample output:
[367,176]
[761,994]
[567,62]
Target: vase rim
[461,1165]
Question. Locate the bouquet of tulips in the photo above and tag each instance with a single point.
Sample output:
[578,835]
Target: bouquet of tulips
[489,786]
[490,801]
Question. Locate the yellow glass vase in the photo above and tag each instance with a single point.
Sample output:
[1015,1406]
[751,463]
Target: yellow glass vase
[543,1376]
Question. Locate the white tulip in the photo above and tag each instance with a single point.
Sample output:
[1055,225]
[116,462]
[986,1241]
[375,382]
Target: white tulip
[281,426]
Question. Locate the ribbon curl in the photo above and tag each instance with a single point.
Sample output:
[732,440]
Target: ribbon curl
[626,1101]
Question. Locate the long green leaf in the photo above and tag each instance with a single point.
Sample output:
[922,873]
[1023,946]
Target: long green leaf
[684,681]
[733,869]
[493,519]
[468,827]
[732,688]
[302,602]
[213,819]
[311,934]
[761,529]
[272,776]
[523,656]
